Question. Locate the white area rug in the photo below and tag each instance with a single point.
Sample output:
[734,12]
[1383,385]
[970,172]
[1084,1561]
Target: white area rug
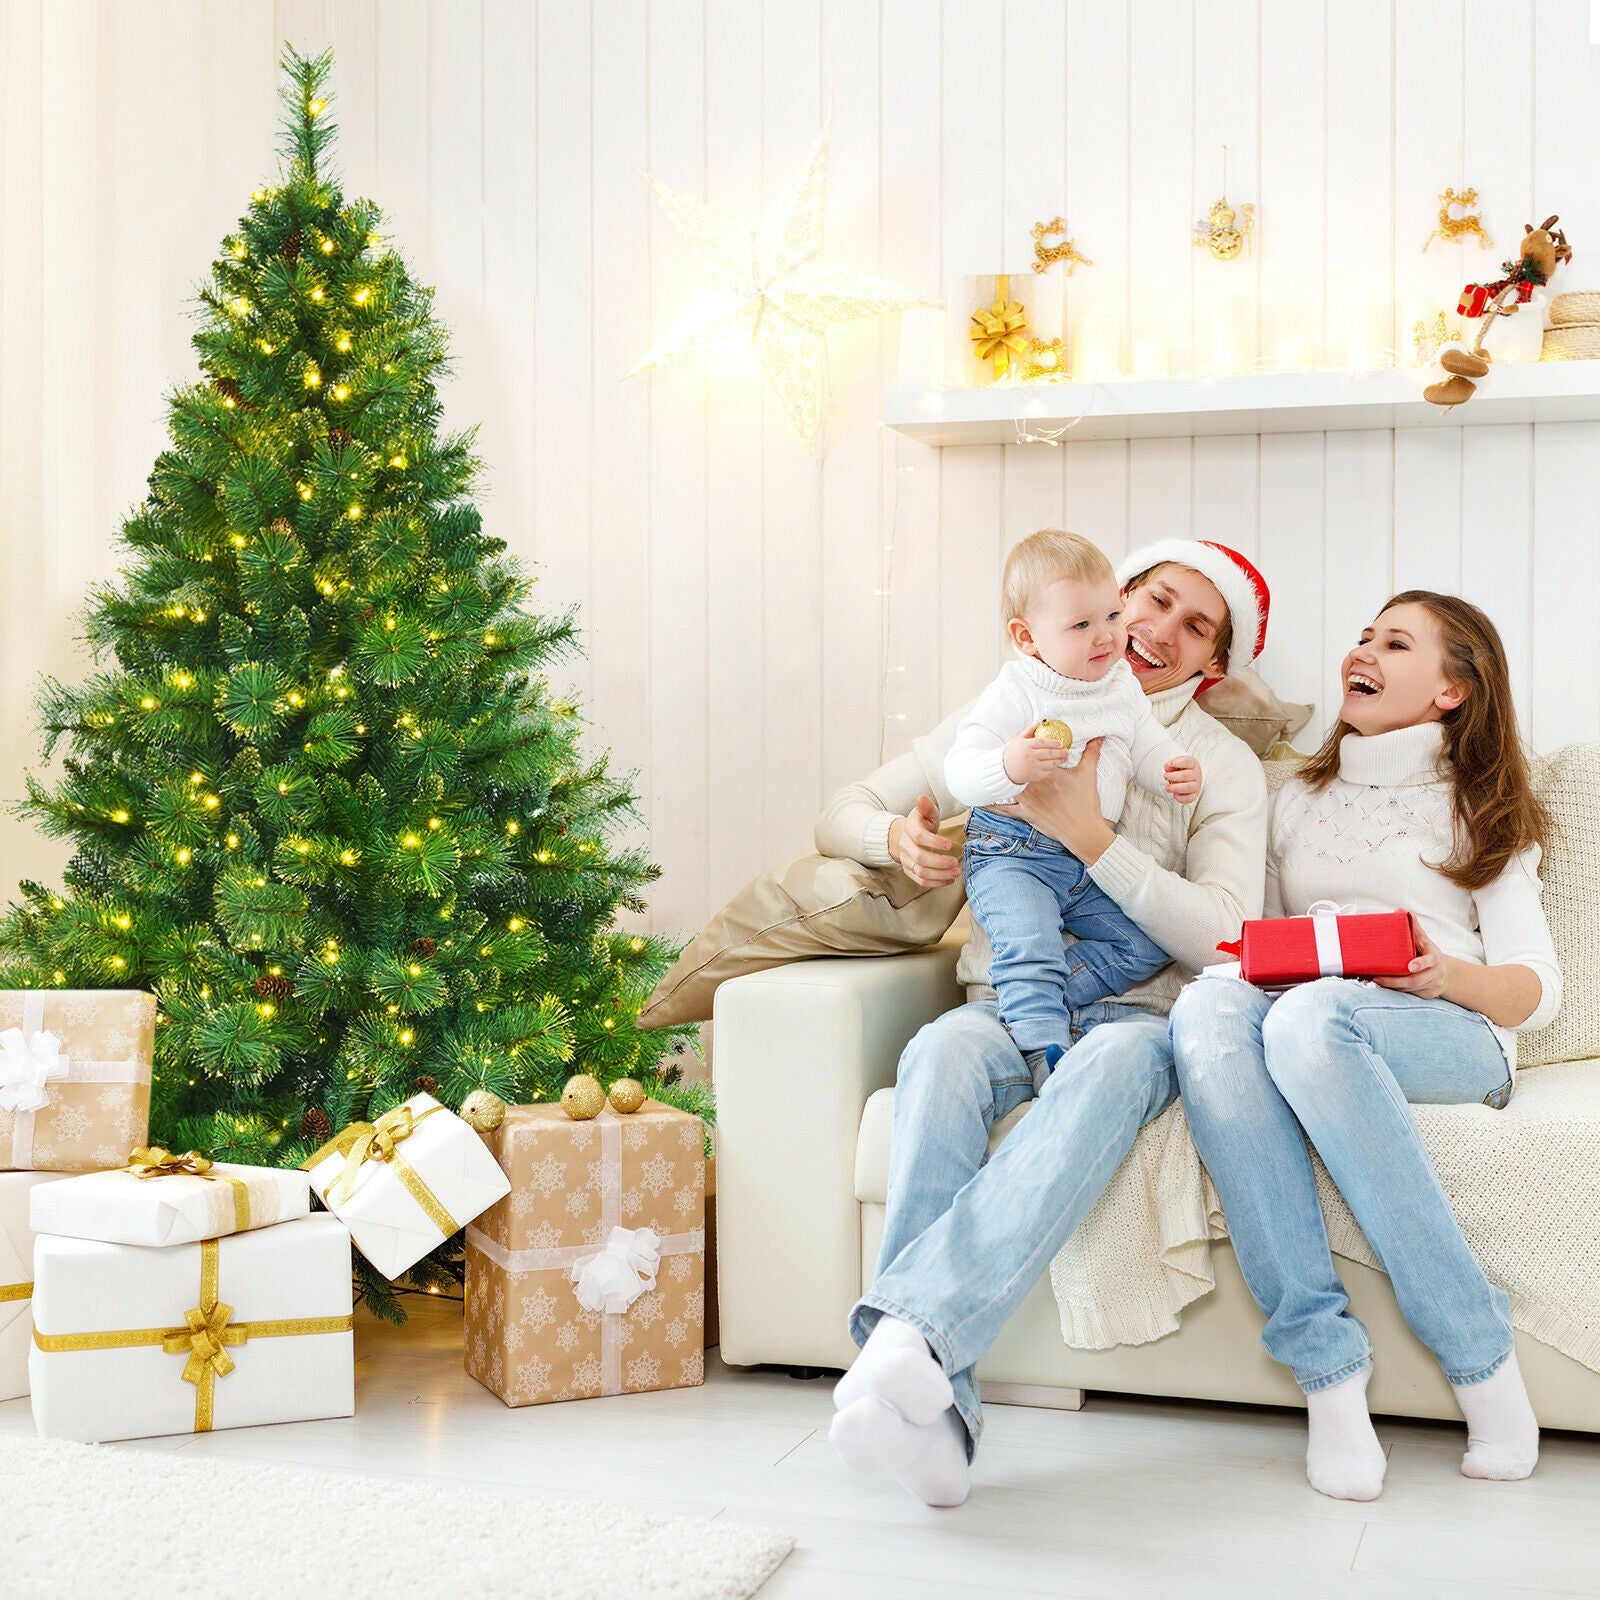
[101,1520]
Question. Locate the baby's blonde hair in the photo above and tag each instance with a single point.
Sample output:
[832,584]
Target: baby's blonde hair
[1042,558]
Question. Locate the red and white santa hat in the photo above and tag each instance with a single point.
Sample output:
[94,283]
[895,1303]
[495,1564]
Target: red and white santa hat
[1243,589]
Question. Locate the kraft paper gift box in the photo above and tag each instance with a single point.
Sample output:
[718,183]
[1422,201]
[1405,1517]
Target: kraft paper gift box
[74,1076]
[404,1183]
[1278,952]
[589,1279]
[131,1342]
[16,1277]
[163,1199]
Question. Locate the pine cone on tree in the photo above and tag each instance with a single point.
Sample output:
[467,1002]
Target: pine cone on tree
[315,1126]
[281,525]
[338,437]
[291,246]
[274,986]
[423,947]
[424,1083]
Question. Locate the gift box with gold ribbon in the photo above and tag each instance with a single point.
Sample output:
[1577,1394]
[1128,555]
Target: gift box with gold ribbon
[130,1342]
[16,1276]
[406,1181]
[74,1077]
[158,1198]
[589,1279]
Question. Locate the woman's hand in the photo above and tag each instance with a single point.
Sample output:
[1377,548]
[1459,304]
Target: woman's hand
[1066,807]
[925,855]
[1430,971]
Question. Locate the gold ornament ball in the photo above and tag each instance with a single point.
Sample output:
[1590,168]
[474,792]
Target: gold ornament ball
[484,1110]
[627,1095]
[1054,728]
[582,1098]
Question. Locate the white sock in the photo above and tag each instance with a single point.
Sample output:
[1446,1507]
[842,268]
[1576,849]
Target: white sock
[1502,1431]
[897,1366]
[929,1461]
[1343,1457]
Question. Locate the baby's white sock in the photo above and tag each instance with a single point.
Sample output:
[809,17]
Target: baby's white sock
[1502,1431]
[1343,1457]
[896,1365]
[929,1461]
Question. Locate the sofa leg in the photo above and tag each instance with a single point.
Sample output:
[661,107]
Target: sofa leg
[1031,1394]
[806,1373]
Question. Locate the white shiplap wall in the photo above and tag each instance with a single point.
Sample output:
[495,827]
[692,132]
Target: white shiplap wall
[726,580]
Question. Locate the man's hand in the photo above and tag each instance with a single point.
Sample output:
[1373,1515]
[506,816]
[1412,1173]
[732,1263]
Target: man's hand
[1029,758]
[925,855]
[1183,779]
[1430,971]
[1066,807]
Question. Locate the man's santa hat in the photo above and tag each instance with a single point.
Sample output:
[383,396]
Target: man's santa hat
[1243,589]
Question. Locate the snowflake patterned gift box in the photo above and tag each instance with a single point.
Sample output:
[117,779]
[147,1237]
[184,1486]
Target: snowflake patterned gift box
[132,1342]
[16,1276]
[74,1077]
[589,1277]
[406,1181]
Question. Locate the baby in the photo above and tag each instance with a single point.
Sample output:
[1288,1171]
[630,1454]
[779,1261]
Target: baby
[1065,611]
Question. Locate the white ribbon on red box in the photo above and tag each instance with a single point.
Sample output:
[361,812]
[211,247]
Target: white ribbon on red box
[1325,916]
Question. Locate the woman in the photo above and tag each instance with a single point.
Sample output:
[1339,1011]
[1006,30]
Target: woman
[964,1240]
[1419,798]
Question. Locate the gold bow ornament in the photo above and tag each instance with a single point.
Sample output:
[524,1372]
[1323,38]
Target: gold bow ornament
[207,1334]
[1000,331]
[378,1142]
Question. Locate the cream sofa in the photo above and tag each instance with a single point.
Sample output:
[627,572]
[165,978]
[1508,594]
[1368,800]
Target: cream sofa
[805,1059]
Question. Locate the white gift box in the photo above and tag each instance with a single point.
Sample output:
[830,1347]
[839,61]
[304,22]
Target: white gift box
[16,1277]
[228,1333]
[407,1182]
[119,1207]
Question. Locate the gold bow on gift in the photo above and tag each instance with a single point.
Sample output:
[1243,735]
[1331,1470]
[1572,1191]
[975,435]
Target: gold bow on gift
[1000,331]
[376,1141]
[204,1338]
[151,1161]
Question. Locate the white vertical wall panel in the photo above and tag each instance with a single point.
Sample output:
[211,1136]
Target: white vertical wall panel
[725,578]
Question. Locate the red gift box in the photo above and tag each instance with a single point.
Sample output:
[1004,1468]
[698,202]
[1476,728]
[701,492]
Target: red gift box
[1279,951]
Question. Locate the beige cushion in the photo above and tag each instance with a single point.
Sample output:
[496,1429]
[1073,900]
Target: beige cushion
[1244,704]
[1569,784]
[816,906]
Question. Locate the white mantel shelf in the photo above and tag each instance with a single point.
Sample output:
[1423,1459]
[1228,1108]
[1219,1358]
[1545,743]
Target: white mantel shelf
[1269,402]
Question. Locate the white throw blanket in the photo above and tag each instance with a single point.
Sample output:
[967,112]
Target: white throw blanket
[1524,1183]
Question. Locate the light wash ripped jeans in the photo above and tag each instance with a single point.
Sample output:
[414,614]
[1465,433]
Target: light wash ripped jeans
[965,1239]
[1341,1062]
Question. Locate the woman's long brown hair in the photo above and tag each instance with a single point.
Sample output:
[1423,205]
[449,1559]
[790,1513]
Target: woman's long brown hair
[1497,814]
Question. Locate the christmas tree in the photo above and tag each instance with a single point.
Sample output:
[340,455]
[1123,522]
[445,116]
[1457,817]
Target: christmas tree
[324,803]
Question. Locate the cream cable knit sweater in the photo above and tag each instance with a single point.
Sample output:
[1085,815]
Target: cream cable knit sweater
[1373,839]
[1187,875]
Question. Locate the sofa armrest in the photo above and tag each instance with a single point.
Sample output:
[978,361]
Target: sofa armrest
[798,1049]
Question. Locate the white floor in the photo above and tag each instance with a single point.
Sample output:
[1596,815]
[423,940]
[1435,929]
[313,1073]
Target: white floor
[1123,1499]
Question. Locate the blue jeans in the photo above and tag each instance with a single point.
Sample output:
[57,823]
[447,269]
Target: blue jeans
[1338,1061]
[963,1239]
[1024,888]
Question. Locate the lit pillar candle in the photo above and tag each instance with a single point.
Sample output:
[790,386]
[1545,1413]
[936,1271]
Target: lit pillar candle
[1231,343]
[1097,349]
[1150,358]
[922,359]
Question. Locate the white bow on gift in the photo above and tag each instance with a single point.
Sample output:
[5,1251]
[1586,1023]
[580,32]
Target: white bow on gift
[26,1066]
[612,1280]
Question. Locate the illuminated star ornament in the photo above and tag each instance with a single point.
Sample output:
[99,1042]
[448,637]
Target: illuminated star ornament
[772,287]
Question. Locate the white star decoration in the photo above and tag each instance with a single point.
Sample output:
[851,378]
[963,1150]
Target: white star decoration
[773,287]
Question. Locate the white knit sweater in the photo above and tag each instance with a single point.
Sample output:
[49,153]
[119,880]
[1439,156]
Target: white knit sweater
[1374,839]
[1187,875]
[1113,708]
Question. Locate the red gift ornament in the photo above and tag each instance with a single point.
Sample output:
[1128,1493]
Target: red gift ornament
[1474,299]
[1277,952]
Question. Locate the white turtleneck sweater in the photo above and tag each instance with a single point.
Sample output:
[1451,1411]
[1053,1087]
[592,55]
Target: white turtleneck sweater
[1025,691]
[1374,840]
[1188,875]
